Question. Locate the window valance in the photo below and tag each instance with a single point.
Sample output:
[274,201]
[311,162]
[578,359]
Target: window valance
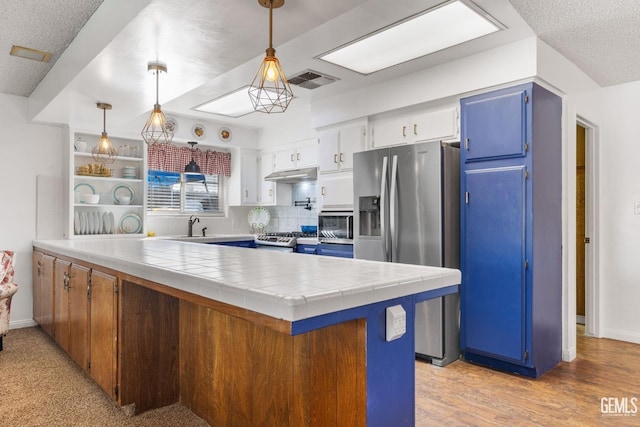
[171,158]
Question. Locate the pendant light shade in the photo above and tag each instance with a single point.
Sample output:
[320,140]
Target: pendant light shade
[192,167]
[270,91]
[155,130]
[104,152]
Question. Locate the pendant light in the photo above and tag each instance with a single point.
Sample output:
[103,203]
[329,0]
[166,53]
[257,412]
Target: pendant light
[270,92]
[155,130]
[192,167]
[104,152]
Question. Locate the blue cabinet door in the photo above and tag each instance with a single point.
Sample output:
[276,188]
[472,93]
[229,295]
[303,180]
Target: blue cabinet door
[495,126]
[239,244]
[493,286]
[306,249]
[337,250]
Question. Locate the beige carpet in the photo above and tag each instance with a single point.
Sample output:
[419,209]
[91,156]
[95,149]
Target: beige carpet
[41,386]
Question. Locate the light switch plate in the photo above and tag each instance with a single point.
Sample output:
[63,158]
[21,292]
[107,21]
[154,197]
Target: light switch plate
[396,322]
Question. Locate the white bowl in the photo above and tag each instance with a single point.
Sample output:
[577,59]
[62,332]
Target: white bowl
[90,198]
[124,200]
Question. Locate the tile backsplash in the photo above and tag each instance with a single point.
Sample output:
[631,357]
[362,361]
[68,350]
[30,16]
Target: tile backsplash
[290,218]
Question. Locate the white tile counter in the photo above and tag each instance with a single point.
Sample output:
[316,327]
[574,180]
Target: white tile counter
[286,286]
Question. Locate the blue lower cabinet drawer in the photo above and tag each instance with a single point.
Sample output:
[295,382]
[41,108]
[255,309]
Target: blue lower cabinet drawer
[307,249]
[239,244]
[334,249]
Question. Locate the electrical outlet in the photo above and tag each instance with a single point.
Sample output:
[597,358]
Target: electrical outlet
[396,322]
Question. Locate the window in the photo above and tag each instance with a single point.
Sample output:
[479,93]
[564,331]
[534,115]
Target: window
[173,192]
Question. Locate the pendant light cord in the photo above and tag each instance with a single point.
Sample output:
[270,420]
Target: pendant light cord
[157,86]
[270,24]
[104,120]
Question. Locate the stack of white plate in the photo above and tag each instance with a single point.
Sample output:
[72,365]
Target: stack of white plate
[130,172]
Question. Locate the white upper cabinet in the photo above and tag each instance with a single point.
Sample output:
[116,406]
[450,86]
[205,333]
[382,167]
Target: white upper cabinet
[336,148]
[243,186]
[297,156]
[336,191]
[441,124]
[268,188]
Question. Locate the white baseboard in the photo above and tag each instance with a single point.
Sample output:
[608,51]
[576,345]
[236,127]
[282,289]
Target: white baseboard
[569,355]
[18,324]
[616,334]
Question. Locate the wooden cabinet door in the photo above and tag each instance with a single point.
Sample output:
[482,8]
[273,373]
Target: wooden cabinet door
[43,291]
[496,127]
[79,315]
[103,331]
[493,261]
[351,141]
[329,151]
[336,191]
[61,303]
[307,155]
[249,177]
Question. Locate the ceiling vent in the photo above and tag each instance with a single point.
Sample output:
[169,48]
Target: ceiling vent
[310,79]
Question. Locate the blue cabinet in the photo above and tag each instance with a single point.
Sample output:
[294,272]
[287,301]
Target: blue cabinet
[511,229]
[335,249]
[239,243]
[307,249]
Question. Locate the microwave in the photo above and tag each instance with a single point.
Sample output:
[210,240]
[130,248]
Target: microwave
[335,227]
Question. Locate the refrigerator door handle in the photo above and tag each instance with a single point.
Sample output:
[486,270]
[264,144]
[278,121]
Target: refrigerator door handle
[383,200]
[392,208]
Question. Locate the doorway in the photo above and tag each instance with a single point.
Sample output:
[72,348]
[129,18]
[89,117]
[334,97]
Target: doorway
[581,237]
[586,262]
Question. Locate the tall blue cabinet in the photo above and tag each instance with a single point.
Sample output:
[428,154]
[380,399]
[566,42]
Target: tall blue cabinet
[511,213]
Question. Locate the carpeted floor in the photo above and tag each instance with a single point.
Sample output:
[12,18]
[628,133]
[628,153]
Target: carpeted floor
[41,386]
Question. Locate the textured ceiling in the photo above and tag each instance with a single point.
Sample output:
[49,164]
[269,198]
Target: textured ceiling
[48,25]
[602,37]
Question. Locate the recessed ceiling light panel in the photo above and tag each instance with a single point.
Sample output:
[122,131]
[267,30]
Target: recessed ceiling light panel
[234,104]
[28,53]
[438,28]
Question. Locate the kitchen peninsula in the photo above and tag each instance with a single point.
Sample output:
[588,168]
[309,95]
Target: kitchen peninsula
[247,337]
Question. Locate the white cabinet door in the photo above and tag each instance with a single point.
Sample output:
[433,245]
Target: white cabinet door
[285,159]
[307,155]
[435,125]
[336,191]
[249,177]
[329,151]
[268,188]
[390,132]
[351,141]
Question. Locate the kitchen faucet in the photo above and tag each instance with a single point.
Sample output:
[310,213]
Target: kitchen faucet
[192,220]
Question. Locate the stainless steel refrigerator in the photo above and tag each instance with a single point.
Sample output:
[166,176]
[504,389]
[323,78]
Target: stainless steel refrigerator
[406,209]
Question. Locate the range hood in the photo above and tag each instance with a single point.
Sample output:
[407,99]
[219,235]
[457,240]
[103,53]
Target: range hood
[293,176]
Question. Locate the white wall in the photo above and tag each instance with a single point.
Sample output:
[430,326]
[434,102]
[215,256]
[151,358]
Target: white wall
[26,150]
[619,243]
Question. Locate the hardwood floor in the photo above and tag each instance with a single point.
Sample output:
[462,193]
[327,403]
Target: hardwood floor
[568,395]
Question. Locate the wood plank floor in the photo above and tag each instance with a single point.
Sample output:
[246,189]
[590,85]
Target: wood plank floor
[463,394]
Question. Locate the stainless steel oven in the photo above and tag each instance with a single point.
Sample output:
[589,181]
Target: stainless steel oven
[335,227]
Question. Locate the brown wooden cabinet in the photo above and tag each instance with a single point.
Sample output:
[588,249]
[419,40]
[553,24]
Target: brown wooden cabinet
[71,310]
[43,291]
[103,330]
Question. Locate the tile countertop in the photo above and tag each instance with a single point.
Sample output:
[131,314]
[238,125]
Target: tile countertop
[287,286]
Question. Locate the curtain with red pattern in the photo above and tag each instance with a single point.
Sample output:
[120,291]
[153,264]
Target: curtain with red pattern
[171,158]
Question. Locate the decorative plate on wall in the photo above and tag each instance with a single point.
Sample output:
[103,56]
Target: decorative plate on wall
[171,125]
[224,134]
[198,131]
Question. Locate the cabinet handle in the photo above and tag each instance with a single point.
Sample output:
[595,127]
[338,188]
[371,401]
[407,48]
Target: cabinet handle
[335,158]
[270,192]
[415,129]
[341,158]
[298,156]
[404,131]
[322,191]
[246,193]
[292,157]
